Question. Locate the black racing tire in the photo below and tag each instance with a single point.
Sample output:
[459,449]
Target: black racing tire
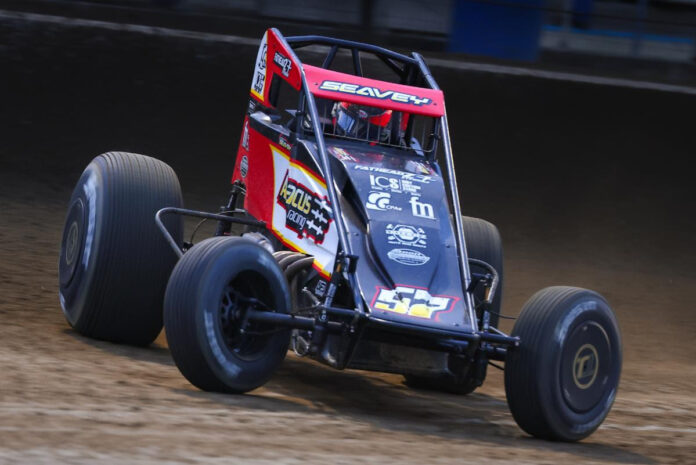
[561,381]
[114,262]
[204,305]
[483,243]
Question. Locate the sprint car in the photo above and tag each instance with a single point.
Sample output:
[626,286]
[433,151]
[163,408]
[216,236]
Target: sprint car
[341,240]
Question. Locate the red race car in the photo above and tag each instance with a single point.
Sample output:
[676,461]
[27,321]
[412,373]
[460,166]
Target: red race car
[342,240]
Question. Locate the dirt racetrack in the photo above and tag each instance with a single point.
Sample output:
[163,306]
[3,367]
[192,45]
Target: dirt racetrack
[589,186]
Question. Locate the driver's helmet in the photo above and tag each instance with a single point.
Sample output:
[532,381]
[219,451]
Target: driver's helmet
[362,122]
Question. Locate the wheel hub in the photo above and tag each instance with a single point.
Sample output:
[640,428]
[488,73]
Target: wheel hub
[585,366]
[71,247]
[247,340]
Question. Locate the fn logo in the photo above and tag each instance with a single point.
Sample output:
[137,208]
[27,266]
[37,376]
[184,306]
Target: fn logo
[421,209]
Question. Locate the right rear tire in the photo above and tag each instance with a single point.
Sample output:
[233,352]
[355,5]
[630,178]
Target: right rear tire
[482,243]
[210,290]
[114,263]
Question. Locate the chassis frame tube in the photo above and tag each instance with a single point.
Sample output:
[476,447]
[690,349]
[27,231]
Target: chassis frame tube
[451,337]
[290,321]
[199,214]
[454,193]
[448,341]
[328,175]
[344,244]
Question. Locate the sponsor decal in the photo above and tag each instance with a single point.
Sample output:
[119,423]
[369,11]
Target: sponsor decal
[403,234]
[380,201]
[341,154]
[244,166]
[284,62]
[320,288]
[307,214]
[374,92]
[297,223]
[245,135]
[259,79]
[418,167]
[284,143]
[71,243]
[412,301]
[259,82]
[402,174]
[408,257]
[392,184]
[585,366]
[421,209]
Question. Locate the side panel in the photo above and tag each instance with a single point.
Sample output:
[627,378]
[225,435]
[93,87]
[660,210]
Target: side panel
[288,195]
[255,169]
[302,214]
[272,59]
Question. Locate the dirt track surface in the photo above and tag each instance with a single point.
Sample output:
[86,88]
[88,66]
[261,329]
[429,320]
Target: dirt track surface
[588,186]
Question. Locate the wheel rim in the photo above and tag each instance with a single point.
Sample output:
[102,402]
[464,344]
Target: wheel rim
[246,340]
[72,243]
[586,366]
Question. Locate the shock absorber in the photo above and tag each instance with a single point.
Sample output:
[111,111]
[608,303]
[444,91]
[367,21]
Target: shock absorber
[224,227]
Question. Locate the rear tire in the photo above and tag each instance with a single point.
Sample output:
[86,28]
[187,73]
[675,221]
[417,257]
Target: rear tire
[204,304]
[561,381]
[483,243]
[114,263]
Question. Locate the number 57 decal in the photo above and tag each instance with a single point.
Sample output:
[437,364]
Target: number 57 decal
[412,301]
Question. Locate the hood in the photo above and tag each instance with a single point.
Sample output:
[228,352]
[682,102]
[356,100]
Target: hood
[409,268]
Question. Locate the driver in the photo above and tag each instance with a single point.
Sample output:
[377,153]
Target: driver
[365,122]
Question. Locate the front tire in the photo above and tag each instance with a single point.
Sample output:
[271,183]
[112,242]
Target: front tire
[114,263]
[561,381]
[208,294]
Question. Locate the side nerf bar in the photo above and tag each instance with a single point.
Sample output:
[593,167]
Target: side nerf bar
[199,214]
